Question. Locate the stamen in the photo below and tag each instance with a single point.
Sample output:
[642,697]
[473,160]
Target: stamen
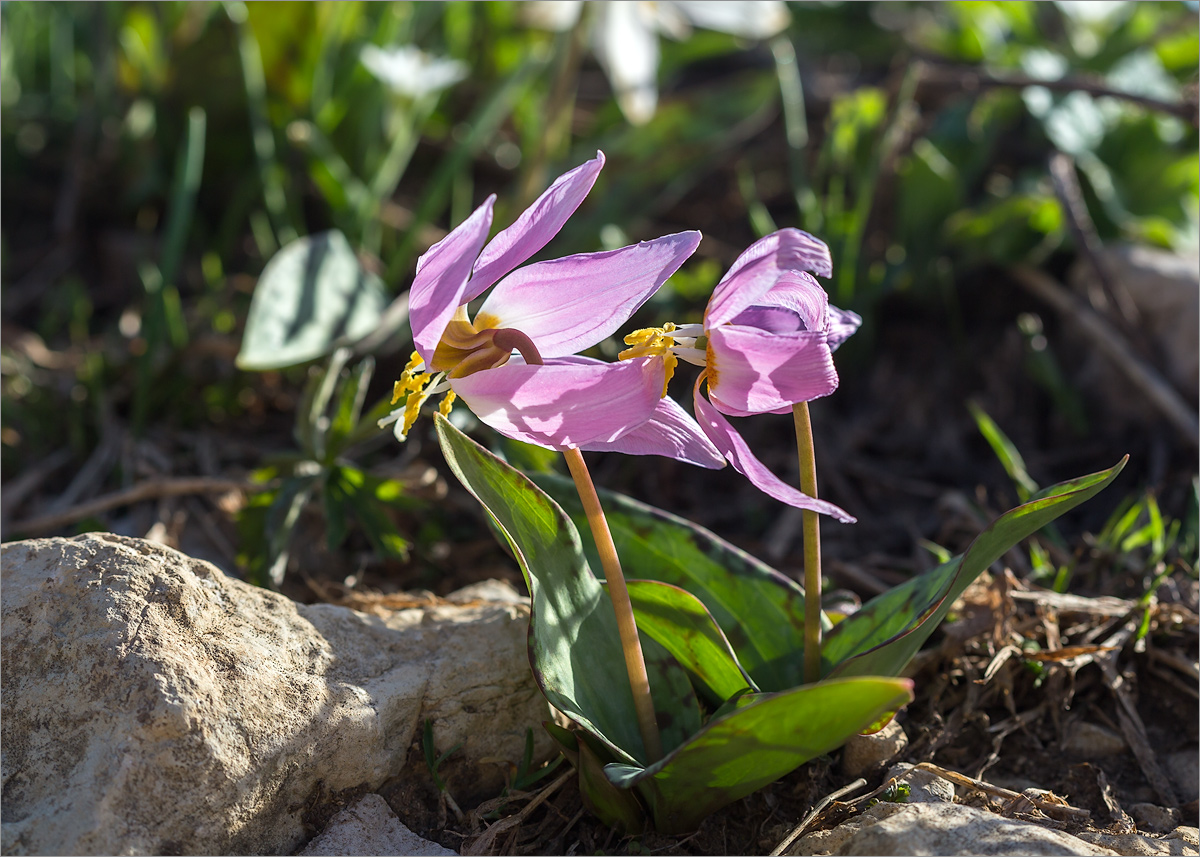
[447,404]
[654,342]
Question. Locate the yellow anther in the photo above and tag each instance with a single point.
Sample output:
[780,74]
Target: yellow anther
[412,408]
[653,342]
[447,403]
[411,379]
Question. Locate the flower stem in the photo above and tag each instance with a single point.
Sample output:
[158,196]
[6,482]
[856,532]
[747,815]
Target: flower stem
[635,664]
[631,644]
[812,545]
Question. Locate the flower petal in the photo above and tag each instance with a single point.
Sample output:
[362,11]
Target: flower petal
[734,448]
[670,432]
[535,227]
[760,268]
[753,371]
[569,304]
[840,325]
[441,280]
[750,19]
[801,293]
[626,46]
[564,404]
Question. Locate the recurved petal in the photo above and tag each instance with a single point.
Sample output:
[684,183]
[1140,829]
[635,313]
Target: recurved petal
[752,371]
[760,268]
[569,304]
[440,283]
[734,448]
[840,325]
[535,227]
[670,432]
[561,405]
[799,292]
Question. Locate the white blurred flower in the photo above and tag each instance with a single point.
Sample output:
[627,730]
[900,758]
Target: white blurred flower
[625,36]
[410,71]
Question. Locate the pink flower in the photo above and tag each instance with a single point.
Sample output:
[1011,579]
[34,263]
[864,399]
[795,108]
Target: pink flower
[767,342]
[562,306]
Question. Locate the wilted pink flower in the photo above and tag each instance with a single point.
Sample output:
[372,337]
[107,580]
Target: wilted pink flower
[767,342]
[562,306]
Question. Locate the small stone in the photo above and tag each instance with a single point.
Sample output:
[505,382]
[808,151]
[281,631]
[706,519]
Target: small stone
[942,829]
[1139,845]
[864,752]
[1183,767]
[1154,818]
[369,827]
[1090,741]
[924,786]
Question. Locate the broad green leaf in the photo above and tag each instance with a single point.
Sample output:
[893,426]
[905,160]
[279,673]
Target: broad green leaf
[882,637]
[312,297]
[680,622]
[573,643]
[768,736]
[760,611]
[616,807]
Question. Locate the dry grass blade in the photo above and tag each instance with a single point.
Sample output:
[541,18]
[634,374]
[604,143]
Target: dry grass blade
[484,842]
[1102,606]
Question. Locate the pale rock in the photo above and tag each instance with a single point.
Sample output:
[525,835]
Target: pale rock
[152,705]
[1154,818]
[864,752]
[1140,845]
[924,786]
[1165,289]
[1183,767]
[1090,741]
[940,829]
[369,827]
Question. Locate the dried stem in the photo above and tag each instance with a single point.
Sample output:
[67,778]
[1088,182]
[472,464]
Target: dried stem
[631,645]
[812,545]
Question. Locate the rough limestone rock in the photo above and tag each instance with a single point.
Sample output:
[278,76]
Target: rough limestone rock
[152,705]
[864,752]
[1165,289]
[923,786]
[369,827]
[1180,843]
[934,829]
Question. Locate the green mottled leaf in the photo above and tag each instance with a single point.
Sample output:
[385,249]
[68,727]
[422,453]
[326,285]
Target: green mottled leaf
[312,297]
[573,642]
[681,623]
[882,637]
[760,612]
[768,736]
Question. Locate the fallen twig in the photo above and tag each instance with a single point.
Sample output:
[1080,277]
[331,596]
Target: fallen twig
[152,490]
[814,812]
[970,77]
[1109,341]
[1132,726]
[1070,194]
[1049,807]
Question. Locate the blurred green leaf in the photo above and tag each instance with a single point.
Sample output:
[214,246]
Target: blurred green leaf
[313,296]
